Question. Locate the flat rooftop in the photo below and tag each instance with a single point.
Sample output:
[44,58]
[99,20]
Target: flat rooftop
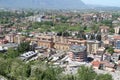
[77,48]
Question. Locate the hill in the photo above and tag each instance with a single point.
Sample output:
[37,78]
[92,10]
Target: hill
[47,4]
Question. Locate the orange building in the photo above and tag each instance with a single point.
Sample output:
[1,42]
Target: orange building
[46,41]
[57,42]
[61,46]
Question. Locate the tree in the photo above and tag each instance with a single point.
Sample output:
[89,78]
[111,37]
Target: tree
[28,70]
[98,37]
[107,23]
[110,50]
[104,77]
[69,77]
[44,72]
[11,53]
[112,30]
[5,68]
[66,34]
[18,70]
[86,73]
[24,47]
[81,34]
[94,28]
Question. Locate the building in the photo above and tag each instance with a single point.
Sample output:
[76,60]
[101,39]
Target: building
[117,44]
[115,22]
[93,46]
[9,45]
[40,49]
[77,53]
[100,51]
[104,29]
[115,57]
[117,30]
[87,17]
[108,42]
[108,66]
[61,46]
[19,38]
[61,43]
[10,37]
[96,64]
[77,42]
[15,38]
[28,55]
[57,42]
[45,41]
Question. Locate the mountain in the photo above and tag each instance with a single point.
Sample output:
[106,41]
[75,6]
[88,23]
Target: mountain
[47,4]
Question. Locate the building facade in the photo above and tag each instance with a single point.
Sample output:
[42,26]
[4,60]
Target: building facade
[93,46]
[58,42]
[77,53]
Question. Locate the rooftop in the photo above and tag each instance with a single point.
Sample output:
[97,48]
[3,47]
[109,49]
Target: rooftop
[117,37]
[28,54]
[93,41]
[9,45]
[104,27]
[77,48]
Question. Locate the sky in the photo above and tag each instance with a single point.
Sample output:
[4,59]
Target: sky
[103,2]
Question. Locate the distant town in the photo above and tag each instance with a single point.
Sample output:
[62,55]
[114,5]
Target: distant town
[68,39]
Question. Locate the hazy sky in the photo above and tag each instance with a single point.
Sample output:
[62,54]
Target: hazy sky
[103,2]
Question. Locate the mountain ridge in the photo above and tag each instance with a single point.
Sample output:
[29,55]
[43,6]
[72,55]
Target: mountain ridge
[47,4]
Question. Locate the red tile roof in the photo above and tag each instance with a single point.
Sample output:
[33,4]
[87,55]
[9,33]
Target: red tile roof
[117,37]
[96,63]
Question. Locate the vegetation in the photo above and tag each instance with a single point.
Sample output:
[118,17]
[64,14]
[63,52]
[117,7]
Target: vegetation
[7,17]
[14,69]
[15,18]
[104,77]
[107,23]
[23,47]
[110,50]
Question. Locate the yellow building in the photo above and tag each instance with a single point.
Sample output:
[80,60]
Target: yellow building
[46,41]
[117,30]
[104,29]
[19,38]
[58,42]
[92,46]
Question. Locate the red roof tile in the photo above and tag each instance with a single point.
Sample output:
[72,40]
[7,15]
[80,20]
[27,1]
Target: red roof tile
[96,63]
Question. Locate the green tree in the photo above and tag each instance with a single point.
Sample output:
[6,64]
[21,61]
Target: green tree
[94,28]
[23,47]
[107,23]
[11,53]
[110,50]
[5,68]
[46,72]
[112,30]
[86,73]
[69,77]
[104,77]
[20,70]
